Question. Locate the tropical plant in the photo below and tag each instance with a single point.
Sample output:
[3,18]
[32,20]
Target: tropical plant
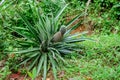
[36,48]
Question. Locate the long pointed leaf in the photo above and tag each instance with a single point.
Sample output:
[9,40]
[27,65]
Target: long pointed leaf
[60,12]
[74,27]
[29,26]
[76,35]
[53,66]
[27,37]
[29,50]
[33,62]
[74,19]
[41,60]
[23,62]
[65,51]
[45,67]
[58,54]
[76,40]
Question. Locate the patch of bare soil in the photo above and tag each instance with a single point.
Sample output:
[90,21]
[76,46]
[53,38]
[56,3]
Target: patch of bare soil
[88,26]
[20,76]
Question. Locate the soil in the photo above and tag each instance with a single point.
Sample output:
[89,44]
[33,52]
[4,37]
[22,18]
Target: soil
[88,26]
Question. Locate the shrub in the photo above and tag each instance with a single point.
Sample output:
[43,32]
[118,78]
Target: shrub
[36,48]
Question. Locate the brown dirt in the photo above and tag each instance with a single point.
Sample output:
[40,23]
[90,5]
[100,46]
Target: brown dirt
[19,76]
[83,27]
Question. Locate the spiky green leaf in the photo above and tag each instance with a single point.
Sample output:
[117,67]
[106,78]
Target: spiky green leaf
[45,67]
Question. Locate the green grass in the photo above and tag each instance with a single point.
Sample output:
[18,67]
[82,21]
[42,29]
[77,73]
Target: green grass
[101,60]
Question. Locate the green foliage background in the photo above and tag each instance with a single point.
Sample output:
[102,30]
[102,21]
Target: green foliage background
[105,14]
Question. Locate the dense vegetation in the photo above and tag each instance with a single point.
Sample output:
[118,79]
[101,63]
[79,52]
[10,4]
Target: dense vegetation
[27,28]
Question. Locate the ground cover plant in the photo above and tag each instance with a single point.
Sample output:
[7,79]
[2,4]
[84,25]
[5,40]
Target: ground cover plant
[100,62]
